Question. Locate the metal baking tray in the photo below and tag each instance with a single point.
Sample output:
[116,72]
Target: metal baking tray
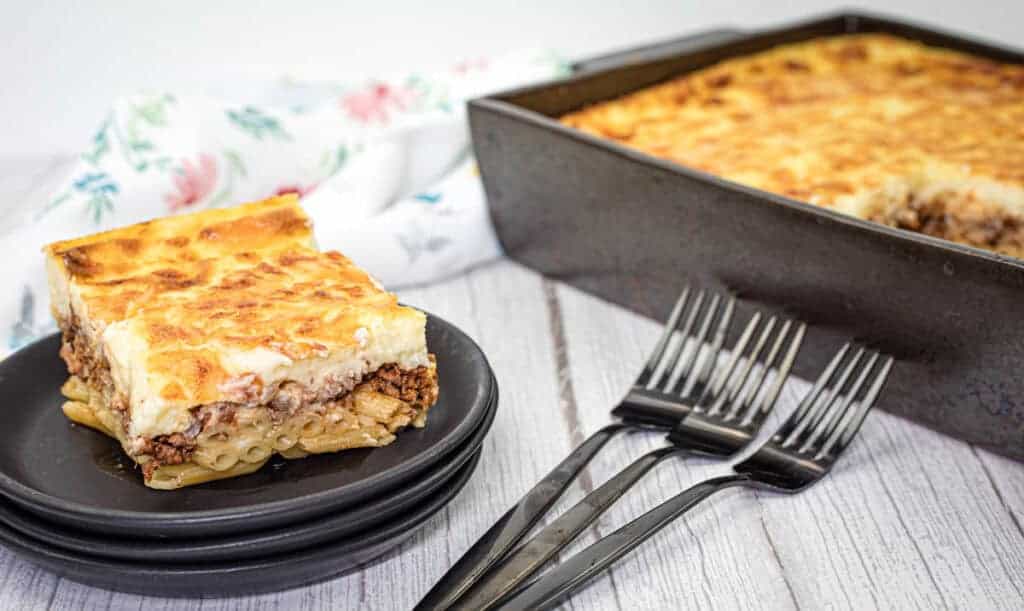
[634,229]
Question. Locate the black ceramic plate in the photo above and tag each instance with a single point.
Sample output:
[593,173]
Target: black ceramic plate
[304,535]
[77,477]
[233,578]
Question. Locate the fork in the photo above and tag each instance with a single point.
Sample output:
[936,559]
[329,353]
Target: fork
[724,420]
[672,381]
[800,453]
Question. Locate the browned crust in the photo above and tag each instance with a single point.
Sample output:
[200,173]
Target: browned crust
[244,278]
[110,256]
[837,121]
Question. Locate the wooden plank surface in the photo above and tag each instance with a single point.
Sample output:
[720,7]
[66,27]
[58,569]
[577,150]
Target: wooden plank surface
[909,519]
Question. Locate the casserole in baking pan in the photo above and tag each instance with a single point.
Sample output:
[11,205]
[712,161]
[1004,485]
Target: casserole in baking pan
[898,227]
[877,126]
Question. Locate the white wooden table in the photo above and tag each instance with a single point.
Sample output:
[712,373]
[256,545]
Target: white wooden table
[909,518]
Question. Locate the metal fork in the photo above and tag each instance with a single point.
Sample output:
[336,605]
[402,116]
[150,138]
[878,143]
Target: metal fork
[673,379]
[800,453]
[725,419]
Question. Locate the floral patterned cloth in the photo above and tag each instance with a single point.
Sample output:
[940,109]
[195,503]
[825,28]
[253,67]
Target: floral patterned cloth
[383,168]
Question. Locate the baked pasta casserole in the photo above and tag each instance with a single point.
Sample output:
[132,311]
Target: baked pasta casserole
[205,343]
[871,125]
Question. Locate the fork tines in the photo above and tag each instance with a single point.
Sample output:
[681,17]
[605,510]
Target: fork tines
[738,385]
[832,412]
[673,364]
[676,374]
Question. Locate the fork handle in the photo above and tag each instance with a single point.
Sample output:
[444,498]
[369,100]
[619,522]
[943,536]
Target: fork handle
[574,572]
[517,567]
[513,526]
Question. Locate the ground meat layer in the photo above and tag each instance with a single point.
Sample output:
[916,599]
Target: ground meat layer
[417,387]
[171,449]
[959,219]
[82,361]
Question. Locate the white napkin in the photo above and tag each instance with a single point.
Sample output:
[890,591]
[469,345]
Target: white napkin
[383,167]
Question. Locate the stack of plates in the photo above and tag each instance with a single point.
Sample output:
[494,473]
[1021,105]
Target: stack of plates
[71,502]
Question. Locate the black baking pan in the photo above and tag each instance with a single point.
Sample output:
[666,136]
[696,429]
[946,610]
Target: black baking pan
[80,478]
[238,577]
[303,535]
[634,229]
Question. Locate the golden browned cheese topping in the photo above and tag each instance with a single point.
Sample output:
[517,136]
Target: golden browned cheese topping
[197,305]
[297,303]
[871,125]
[249,311]
[129,267]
